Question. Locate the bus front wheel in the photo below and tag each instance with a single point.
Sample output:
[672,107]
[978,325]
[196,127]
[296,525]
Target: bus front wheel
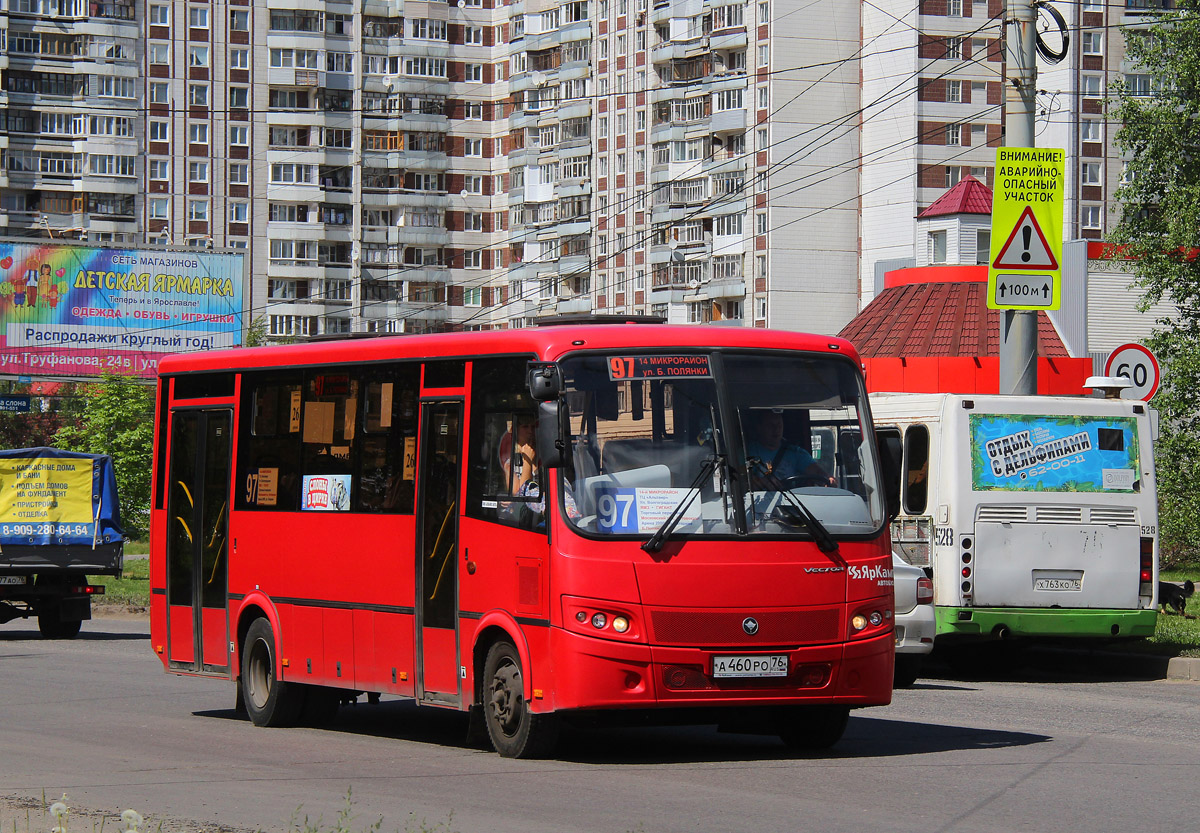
[813,728]
[269,701]
[515,731]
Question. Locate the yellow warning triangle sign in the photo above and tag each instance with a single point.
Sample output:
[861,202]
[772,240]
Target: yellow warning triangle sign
[1026,247]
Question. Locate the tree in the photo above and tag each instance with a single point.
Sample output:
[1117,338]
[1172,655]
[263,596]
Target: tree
[118,419]
[1158,108]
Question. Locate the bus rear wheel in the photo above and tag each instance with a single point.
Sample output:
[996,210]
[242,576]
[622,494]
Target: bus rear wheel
[514,730]
[813,728]
[269,701]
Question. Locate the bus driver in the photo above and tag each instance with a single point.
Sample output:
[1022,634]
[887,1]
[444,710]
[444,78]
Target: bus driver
[773,460]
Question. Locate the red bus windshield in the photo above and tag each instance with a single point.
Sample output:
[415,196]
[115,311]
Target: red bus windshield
[731,444]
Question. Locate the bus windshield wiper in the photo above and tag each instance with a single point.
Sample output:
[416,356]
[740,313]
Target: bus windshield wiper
[655,542]
[826,543]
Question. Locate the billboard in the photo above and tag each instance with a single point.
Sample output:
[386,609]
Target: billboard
[69,310]
[1023,452]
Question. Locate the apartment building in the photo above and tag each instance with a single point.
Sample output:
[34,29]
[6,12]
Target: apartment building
[71,127]
[933,107]
[409,165]
[1074,104]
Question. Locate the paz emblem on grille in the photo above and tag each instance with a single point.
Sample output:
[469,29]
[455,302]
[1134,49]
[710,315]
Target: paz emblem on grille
[750,625]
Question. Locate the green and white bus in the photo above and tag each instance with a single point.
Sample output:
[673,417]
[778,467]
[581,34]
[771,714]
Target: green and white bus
[1035,516]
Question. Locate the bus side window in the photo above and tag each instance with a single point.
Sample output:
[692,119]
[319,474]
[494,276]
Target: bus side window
[387,467]
[268,471]
[916,469]
[505,484]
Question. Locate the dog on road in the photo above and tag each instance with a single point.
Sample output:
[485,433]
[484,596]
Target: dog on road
[1173,597]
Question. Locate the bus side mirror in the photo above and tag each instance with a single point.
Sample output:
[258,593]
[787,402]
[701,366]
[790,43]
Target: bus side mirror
[551,429]
[544,380]
[890,455]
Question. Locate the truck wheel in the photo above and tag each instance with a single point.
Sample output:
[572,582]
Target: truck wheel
[52,627]
[269,700]
[813,728]
[515,731]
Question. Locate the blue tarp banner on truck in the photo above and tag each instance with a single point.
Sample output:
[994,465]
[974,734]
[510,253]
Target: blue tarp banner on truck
[54,497]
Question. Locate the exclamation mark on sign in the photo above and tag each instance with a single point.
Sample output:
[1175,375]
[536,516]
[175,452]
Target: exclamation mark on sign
[1027,234]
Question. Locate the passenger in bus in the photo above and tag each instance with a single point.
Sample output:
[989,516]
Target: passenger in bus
[772,460]
[518,455]
[518,461]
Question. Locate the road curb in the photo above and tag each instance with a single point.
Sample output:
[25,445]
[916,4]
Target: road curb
[1183,668]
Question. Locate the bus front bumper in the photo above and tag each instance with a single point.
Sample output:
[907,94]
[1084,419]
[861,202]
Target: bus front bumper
[593,673]
[994,622]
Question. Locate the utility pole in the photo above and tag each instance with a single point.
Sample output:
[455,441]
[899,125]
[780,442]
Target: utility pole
[1019,328]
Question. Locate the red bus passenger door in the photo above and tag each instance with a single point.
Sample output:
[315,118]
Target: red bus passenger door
[198,541]
[438,490]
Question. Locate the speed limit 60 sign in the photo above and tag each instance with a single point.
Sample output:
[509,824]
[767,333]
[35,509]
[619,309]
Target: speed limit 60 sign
[1138,365]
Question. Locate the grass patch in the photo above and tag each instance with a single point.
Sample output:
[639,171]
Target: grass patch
[131,589]
[1176,636]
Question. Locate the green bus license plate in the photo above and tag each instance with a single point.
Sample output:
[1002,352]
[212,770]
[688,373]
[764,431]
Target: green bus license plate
[751,665]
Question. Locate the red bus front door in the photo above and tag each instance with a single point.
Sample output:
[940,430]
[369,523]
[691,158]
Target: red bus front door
[197,542]
[437,552]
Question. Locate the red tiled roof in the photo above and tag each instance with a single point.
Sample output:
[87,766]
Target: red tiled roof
[969,196]
[937,319]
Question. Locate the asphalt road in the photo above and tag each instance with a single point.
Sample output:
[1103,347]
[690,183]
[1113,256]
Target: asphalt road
[98,719]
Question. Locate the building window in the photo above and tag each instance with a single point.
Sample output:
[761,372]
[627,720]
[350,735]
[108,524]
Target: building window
[1091,85]
[1089,130]
[198,17]
[239,134]
[239,173]
[239,97]
[473,296]
[954,91]
[197,172]
[1093,43]
[1090,173]
[158,208]
[760,222]
[953,175]
[198,210]
[239,20]
[239,212]
[473,147]
[954,8]
[983,245]
[954,48]
[937,247]
[159,131]
[198,56]
[160,169]
[160,53]
[239,59]
[1089,217]
[954,134]
[160,15]
[1136,83]
[474,73]
[198,95]
[473,35]
[727,225]
[159,92]
[473,259]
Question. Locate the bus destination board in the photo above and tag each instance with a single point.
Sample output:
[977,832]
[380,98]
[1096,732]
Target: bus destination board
[622,368]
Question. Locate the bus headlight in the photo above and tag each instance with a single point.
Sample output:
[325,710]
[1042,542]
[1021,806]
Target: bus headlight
[595,618]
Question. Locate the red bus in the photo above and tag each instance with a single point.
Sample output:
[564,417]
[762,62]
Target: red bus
[564,523]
